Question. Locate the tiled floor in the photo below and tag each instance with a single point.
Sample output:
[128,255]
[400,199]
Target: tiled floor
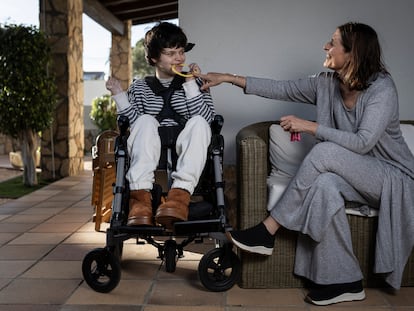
[44,237]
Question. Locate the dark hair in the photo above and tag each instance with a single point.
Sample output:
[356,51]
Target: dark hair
[163,35]
[361,41]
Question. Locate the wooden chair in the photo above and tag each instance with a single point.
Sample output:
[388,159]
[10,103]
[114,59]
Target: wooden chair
[104,174]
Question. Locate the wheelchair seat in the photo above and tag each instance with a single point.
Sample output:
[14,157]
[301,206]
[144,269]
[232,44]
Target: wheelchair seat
[168,135]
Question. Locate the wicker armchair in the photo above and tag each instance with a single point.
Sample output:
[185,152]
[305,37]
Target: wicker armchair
[276,271]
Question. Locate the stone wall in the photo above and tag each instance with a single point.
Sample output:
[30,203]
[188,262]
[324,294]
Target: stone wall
[121,57]
[63,144]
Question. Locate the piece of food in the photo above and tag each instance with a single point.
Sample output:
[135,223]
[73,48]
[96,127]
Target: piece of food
[185,75]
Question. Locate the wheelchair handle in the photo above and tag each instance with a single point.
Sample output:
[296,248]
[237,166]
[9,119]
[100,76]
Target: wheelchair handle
[123,124]
[217,124]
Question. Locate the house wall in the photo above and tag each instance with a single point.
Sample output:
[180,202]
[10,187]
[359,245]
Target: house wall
[283,39]
[92,89]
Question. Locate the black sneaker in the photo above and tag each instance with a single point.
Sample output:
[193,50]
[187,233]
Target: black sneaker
[324,295]
[255,240]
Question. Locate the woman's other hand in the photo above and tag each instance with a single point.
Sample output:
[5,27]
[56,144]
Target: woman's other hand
[294,124]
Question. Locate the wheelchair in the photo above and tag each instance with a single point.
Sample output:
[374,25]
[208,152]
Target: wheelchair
[218,269]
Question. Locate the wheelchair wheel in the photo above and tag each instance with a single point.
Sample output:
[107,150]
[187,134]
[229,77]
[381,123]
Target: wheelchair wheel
[101,270]
[219,271]
[170,255]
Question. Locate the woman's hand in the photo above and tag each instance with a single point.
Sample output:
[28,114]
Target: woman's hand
[114,86]
[294,124]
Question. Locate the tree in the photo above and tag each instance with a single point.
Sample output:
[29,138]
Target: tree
[140,66]
[28,92]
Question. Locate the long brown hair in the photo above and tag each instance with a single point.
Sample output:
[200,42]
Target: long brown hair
[361,41]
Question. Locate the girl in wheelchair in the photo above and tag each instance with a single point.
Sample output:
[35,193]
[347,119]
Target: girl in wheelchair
[170,99]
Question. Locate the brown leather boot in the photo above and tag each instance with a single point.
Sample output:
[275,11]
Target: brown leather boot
[140,208]
[174,209]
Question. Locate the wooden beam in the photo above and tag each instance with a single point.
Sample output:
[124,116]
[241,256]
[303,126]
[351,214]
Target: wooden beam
[138,20]
[95,10]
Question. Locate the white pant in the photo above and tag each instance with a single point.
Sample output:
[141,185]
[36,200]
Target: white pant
[144,147]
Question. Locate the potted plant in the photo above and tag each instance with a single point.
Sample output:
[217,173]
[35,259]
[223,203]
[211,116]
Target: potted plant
[103,113]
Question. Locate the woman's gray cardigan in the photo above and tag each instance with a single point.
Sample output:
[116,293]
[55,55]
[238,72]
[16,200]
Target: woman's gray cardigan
[376,132]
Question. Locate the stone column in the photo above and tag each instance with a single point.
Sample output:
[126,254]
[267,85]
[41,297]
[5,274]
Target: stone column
[63,144]
[121,57]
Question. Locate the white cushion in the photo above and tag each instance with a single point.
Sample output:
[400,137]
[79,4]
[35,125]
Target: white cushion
[286,155]
[285,158]
[408,134]
[276,185]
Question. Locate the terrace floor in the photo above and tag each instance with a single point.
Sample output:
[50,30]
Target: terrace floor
[44,237]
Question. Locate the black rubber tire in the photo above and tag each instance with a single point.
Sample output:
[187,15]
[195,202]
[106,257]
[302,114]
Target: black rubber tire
[217,273]
[101,270]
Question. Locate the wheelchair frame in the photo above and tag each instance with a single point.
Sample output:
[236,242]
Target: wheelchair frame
[218,269]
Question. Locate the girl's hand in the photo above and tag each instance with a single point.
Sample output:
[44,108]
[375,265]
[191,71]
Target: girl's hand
[193,70]
[114,86]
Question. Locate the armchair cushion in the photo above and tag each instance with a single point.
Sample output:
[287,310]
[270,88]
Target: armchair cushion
[408,134]
[285,157]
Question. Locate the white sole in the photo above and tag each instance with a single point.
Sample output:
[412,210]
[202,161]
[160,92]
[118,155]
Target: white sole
[262,250]
[341,298]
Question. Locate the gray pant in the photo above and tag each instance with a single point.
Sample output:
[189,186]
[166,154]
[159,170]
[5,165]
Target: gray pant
[313,204]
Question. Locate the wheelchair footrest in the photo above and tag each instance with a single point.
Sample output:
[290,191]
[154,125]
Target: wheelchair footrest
[142,230]
[180,228]
[197,226]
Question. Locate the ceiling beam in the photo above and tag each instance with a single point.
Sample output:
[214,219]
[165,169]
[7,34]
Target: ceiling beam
[95,10]
[137,20]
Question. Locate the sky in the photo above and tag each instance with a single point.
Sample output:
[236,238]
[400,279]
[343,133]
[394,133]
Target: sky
[96,39]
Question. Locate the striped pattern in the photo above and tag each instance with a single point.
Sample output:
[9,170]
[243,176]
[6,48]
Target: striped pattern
[144,101]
